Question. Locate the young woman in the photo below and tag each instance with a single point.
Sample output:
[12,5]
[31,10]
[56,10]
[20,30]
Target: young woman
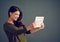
[15,29]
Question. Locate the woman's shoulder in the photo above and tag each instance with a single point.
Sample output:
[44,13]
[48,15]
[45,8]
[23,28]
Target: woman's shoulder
[7,24]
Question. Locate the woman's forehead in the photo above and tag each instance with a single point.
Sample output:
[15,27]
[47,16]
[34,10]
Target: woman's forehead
[17,12]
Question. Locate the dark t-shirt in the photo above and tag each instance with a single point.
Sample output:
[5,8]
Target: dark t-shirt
[15,34]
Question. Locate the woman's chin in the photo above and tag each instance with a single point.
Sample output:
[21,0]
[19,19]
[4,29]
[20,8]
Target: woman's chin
[15,20]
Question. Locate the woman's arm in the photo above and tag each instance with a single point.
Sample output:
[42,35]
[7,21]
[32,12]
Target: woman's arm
[32,29]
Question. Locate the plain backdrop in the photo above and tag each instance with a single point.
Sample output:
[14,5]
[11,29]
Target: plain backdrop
[50,9]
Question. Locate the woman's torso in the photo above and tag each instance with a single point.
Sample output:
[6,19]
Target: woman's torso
[12,37]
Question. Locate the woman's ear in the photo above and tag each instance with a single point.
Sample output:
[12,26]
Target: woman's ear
[10,13]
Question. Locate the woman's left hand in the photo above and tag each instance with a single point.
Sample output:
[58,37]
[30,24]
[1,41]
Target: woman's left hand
[42,26]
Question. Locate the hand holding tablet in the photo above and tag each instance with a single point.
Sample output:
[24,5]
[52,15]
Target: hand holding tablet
[38,21]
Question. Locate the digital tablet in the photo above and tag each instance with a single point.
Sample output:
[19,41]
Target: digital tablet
[38,21]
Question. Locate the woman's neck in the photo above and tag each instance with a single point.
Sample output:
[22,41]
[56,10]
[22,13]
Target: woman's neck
[10,21]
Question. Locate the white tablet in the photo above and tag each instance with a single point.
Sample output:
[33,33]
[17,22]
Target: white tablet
[38,21]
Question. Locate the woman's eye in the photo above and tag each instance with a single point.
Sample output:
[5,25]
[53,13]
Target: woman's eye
[16,14]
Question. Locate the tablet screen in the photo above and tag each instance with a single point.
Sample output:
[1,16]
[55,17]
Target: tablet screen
[38,20]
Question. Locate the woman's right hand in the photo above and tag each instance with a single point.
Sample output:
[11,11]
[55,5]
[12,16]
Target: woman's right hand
[29,27]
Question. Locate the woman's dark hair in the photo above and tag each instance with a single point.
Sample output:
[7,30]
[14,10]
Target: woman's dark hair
[14,9]
[17,23]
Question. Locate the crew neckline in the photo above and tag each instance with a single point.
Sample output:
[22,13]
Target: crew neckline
[9,23]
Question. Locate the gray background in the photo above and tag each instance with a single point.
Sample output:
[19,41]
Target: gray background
[50,9]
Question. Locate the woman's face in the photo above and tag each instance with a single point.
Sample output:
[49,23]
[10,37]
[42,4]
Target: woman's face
[15,15]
